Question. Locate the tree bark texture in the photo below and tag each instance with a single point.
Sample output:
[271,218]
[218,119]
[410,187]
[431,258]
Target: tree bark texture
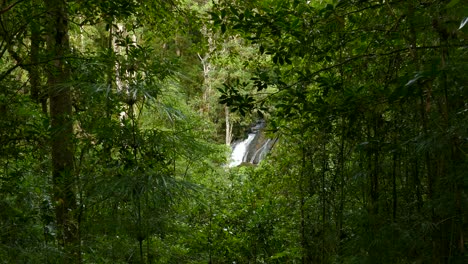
[60,108]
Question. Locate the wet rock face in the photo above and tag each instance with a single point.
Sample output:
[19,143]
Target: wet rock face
[246,164]
[261,124]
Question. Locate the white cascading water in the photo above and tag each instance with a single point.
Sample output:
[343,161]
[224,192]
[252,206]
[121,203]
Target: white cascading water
[261,152]
[240,150]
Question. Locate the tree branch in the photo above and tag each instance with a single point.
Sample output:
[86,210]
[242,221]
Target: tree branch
[6,9]
[379,55]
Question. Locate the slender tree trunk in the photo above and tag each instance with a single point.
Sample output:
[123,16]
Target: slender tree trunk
[110,79]
[34,63]
[303,233]
[228,126]
[62,128]
[324,215]
[205,106]
[34,76]
[450,165]
[304,241]
[395,162]
[111,69]
[373,160]
[341,174]
[394,188]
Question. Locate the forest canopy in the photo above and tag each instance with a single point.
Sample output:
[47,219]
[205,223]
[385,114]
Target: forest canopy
[118,119]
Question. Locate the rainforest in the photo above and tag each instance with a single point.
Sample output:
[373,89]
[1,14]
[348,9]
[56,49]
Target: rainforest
[234,131]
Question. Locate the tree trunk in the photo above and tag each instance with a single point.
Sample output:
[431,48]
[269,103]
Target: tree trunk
[228,126]
[34,77]
[61,127]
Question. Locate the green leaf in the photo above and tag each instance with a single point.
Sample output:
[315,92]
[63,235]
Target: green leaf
[234,10]
[452,3]
[275,59]
[237,26]
[281,60]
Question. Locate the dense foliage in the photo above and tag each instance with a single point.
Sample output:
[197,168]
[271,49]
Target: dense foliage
[115,116]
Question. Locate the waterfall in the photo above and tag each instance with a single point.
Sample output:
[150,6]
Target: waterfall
[261,152]
[240,151]
[252,149]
